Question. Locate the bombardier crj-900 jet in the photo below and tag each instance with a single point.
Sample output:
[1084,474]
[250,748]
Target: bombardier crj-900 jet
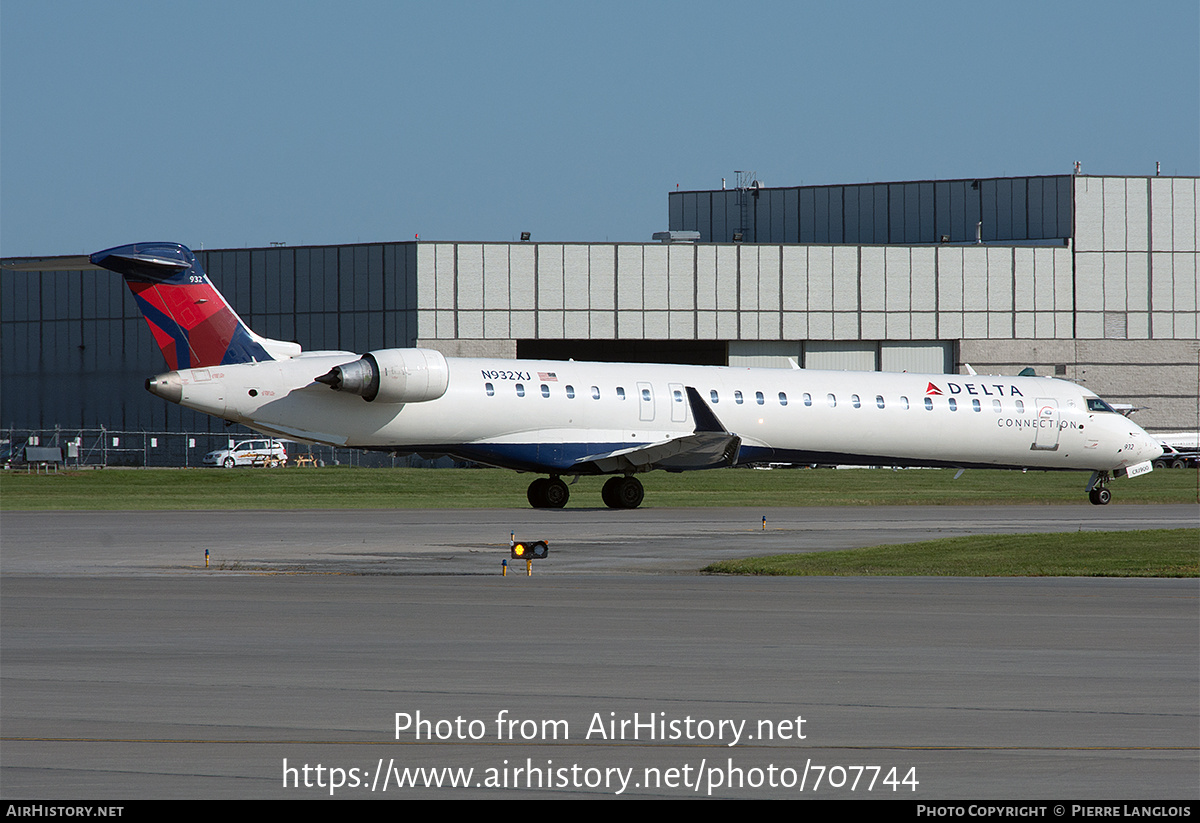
[564,419]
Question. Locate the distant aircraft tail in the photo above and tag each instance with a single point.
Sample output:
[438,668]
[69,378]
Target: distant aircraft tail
[190,319]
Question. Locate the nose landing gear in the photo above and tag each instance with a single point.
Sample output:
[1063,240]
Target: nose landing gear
[1098,493]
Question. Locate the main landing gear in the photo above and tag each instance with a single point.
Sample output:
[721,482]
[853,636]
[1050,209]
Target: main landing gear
[618,493]
[1098,493]
[548,493]
[623,493]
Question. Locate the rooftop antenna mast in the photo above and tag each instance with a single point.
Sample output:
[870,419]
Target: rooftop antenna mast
[745,181]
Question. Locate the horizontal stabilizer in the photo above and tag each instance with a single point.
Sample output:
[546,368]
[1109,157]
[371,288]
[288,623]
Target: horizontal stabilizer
[147,262]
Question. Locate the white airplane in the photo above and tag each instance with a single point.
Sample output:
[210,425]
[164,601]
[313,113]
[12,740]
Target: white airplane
[565,418]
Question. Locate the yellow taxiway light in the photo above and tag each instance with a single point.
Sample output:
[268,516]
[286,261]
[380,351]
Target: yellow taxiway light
[529,550]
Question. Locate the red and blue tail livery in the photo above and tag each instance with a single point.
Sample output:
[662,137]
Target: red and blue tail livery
[188,317]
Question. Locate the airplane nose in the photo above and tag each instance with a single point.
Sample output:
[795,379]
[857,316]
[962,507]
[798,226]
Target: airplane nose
[1146,447]
[168,386]
[1153,449]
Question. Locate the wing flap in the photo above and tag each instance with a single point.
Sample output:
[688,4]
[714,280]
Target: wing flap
[702,450]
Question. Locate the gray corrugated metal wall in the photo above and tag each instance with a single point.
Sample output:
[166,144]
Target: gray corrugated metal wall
[1011,209]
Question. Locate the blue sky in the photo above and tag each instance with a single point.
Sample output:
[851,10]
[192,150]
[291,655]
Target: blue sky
[226,124]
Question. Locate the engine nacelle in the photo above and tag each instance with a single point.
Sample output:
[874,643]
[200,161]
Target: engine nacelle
[392,376]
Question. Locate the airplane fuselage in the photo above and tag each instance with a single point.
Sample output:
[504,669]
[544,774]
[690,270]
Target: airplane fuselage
[550,416]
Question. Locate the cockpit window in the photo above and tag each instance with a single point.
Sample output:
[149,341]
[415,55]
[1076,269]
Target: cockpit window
[1095,404]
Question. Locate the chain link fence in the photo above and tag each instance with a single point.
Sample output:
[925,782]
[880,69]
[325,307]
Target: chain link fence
[93,448]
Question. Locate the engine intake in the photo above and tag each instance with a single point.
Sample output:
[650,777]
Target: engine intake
[392,376]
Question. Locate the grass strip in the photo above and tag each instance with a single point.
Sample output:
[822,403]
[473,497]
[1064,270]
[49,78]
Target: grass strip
[357,488]
[1151,553]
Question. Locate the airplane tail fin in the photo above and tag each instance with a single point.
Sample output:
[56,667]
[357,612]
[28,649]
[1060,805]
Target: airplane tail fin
[190,319]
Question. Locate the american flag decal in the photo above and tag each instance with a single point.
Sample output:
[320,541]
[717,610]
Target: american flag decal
[547,377]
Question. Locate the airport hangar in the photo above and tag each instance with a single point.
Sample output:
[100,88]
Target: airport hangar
[1090,278]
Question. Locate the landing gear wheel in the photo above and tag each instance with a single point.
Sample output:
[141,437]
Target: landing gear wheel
[630,493]
[623,493]
[1100,496]
[609,493]
[537,492]
[556,493]
[548,493]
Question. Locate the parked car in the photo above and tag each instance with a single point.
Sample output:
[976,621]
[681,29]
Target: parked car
[248,453]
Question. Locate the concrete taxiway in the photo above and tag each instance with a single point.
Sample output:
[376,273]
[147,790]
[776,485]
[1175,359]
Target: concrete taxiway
[129,670]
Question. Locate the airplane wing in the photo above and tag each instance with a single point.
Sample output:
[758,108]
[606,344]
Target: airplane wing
[709,446]
[703,450]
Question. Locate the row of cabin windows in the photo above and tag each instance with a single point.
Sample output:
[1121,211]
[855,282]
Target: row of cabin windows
[739,399]
[760,399]
[856,401]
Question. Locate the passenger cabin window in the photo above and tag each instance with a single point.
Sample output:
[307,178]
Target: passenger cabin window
[996,406]
[807,399]
[975,405]
[831,400]
[545,390]
[1020,407]
[928,404]
[904,402]
[783,398]
[646,395]
[855,401]
[620,393]
[737,397]
[953,404]
[490,389]
[758,397]
[678,396]
[570,392]
[520,390]
[712,395]
[879,400]
[595,392]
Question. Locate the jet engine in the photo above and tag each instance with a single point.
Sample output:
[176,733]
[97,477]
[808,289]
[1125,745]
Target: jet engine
[392,376]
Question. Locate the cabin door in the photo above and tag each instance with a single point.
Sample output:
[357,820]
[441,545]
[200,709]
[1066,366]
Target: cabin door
[1045,436]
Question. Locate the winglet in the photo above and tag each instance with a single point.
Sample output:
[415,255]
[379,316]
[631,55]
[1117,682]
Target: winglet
[706,419]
